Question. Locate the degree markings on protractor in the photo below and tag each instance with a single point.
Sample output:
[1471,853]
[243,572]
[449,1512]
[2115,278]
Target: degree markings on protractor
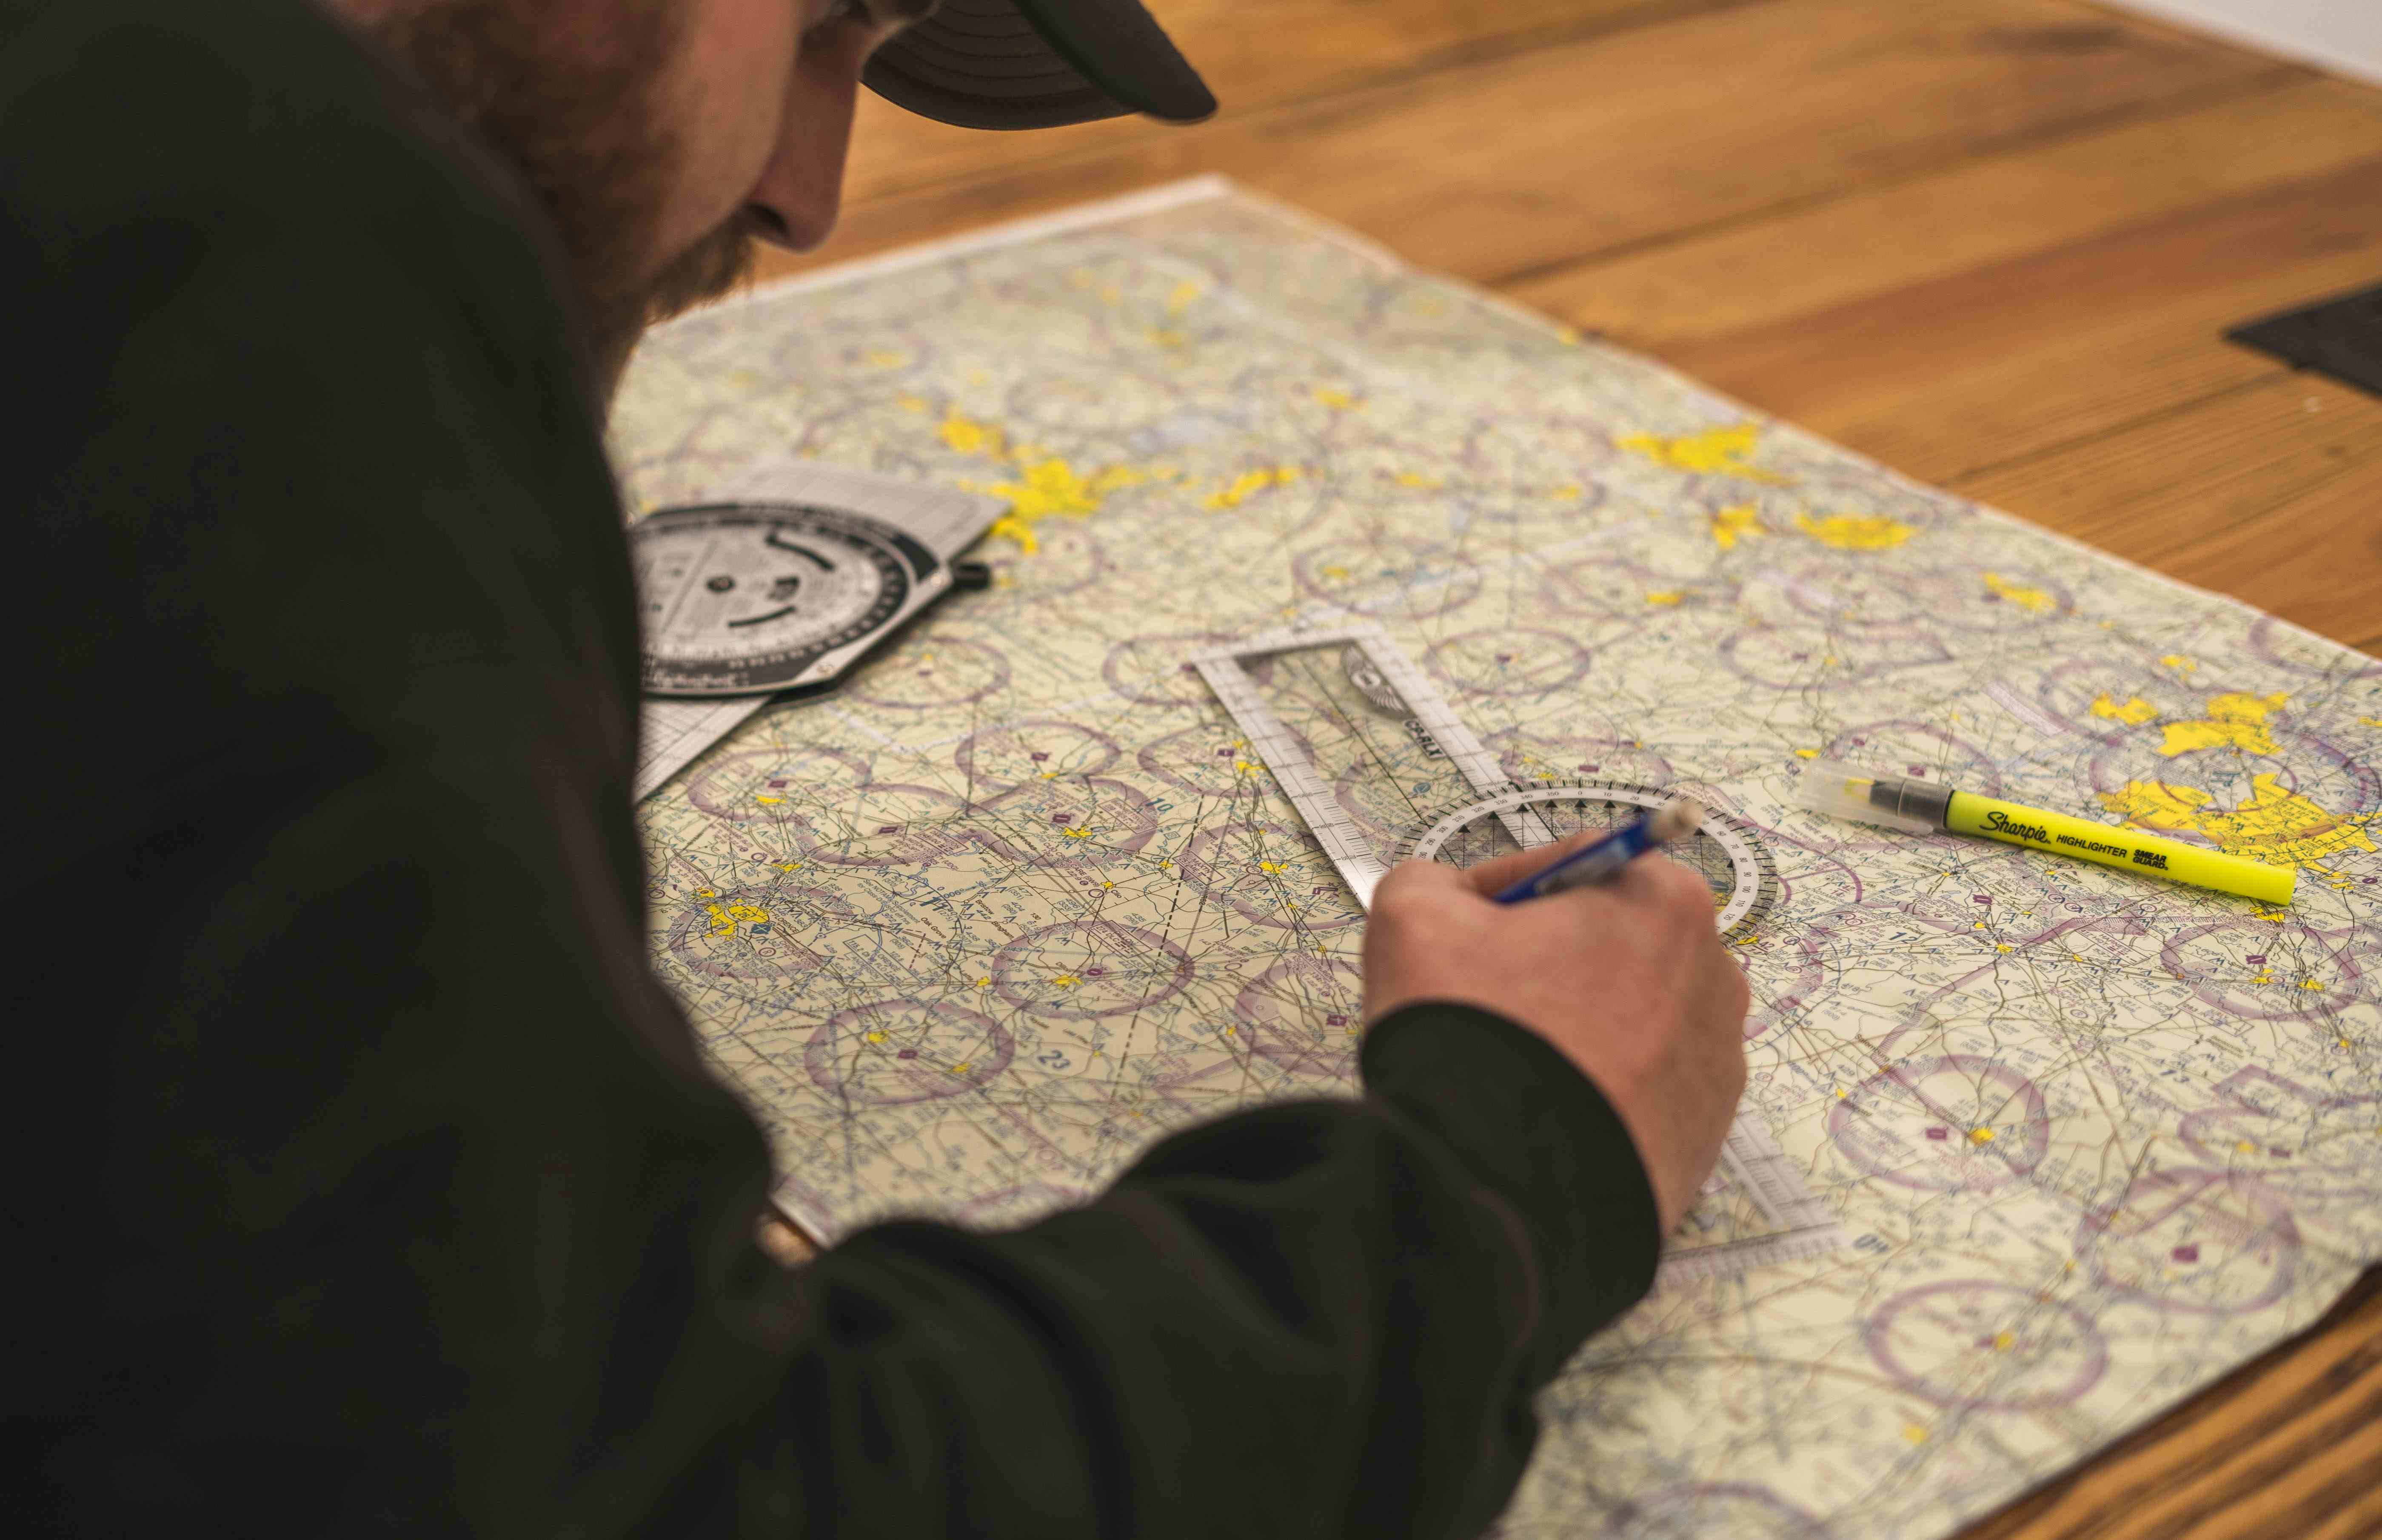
[1731,857]
[1278,749]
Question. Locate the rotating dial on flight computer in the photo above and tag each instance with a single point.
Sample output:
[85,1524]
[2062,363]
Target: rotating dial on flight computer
[743,597]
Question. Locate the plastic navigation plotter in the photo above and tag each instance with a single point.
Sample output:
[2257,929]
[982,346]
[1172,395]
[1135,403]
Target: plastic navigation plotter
[1499,816]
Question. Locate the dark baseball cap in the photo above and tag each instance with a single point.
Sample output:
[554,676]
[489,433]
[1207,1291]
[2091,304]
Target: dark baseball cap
[1035,63]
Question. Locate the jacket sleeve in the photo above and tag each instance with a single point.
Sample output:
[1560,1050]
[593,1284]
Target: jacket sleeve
[1313,1319]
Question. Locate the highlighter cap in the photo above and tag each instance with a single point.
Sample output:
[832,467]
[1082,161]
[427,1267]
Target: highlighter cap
[1841,790]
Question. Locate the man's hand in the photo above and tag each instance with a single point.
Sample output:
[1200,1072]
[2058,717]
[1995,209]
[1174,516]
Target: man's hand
[1627,978]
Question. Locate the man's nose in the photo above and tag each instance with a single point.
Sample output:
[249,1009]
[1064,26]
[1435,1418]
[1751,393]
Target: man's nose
[800,191]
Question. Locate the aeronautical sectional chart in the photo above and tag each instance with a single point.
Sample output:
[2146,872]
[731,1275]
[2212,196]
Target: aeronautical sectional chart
[1303,562]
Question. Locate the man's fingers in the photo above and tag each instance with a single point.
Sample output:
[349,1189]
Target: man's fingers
[1491,877]
[1650,879]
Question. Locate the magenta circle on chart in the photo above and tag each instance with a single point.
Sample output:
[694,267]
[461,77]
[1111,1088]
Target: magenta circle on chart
[1781,1000]
[1832,486]
[1603,587]
[734,936]
[1840,596]
[1781,659]
[2195,1242]
[1210,760]
[1510,663]
[1153,669]
[1825,878]
[1580,443]
[2307,1138]
[892,1052]
[993,759]
[762,783]
[1956,1122]
[1918,749]
[1088,970]
[1984,1346]
[2069,691]
[1092,819]
[1525,756]
[1383,577]
[932,674]
[2331,966]
[2265,644]
[1270,874]
[2003,599]
[884,825]
[1071,390]
[1304,1013]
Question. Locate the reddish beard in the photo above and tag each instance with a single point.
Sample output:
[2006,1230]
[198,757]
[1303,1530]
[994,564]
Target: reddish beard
[581,117]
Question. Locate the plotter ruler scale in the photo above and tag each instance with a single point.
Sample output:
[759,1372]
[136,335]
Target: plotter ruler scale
[1342,840]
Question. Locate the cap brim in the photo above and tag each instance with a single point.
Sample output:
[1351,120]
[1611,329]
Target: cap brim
[1037,64]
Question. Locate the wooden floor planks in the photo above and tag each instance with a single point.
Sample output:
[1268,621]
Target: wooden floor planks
[2241,136]
[1503,167]
[2242,1458]
[2220,463]
[1992,243]
[1292,54]
[1950,376]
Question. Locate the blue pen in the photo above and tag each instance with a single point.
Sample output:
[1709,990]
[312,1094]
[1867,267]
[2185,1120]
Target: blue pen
[1599,861]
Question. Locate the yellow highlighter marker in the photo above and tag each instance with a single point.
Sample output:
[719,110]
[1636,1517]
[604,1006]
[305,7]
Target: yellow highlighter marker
[1844,790]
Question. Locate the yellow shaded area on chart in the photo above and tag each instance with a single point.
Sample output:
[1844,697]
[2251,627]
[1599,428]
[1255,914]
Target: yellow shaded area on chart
[1855,532]
[1713,452]
[2233,722]
[2033,600]
[2276,826]
[1044,487]
[725,919]
[2133,712]
[1249,484]
[1733,524]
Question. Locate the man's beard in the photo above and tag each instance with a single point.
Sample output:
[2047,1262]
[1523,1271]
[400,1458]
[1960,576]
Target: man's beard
[581,119]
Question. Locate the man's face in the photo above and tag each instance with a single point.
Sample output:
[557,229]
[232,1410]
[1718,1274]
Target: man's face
[660,133]
[761,93]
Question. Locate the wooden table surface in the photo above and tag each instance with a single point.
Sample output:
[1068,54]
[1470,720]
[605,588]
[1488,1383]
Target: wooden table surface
[1992,243]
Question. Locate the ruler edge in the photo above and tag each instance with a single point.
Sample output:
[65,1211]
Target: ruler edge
[1456,740]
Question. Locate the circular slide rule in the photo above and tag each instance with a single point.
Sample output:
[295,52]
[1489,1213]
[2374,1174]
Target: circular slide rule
[1743,877]
[745,597]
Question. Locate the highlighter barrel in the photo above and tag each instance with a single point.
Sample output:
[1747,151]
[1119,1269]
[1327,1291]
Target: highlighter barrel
[1843,790]
[1915,806]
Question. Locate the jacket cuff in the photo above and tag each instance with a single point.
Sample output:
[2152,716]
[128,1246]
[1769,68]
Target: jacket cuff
[1528,1126]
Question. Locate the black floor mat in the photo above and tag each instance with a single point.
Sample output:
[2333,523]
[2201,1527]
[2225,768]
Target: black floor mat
[2341,338]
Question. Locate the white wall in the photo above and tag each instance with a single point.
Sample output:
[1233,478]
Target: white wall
[2342,35]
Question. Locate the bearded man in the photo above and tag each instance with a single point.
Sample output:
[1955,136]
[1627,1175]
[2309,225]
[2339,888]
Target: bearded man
[366,1182]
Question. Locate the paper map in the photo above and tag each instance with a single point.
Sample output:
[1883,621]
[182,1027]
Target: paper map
[975,929]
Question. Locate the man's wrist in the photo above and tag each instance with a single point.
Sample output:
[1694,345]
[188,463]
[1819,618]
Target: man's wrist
[1537,1133]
